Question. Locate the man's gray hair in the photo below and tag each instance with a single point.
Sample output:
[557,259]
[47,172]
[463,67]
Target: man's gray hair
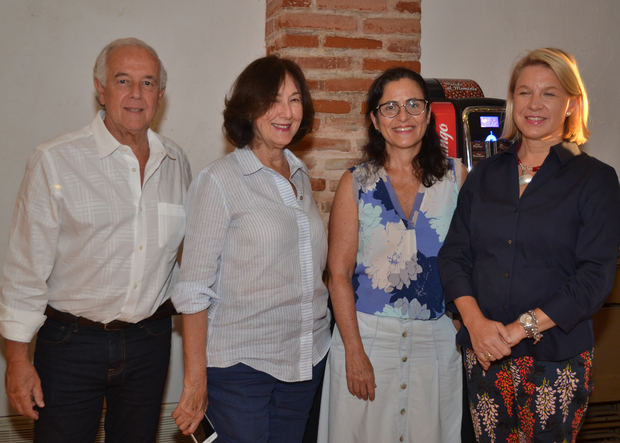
[101,64]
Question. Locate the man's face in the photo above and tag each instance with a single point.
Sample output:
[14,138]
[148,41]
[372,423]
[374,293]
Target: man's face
[131,92]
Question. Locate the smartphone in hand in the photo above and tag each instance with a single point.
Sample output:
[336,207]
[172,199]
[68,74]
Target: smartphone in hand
[204,433]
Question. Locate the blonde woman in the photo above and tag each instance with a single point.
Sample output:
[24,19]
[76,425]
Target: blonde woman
[530,257]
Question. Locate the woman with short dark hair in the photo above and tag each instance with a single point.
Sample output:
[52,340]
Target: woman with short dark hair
[251,274]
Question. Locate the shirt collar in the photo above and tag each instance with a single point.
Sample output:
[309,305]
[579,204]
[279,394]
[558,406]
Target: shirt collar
[107,144]
[563,151]
[250,163]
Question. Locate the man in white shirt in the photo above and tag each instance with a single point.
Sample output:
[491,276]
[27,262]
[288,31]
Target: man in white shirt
[97,224]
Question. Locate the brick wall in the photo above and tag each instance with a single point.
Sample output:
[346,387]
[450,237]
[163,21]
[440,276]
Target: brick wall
[341,45]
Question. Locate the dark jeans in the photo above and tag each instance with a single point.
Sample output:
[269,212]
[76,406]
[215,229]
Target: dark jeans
[80,366]
[246,405]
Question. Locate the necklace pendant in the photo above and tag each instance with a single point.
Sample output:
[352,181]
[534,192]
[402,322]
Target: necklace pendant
[525,179]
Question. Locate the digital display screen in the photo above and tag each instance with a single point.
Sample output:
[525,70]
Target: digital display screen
[489,121]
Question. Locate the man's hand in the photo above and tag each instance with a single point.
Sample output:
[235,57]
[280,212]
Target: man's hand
[23,385]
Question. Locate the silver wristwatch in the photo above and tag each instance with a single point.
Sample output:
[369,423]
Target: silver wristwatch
[529,323]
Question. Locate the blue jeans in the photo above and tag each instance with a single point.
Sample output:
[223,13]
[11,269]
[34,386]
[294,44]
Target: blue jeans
[80,366]
[246,405]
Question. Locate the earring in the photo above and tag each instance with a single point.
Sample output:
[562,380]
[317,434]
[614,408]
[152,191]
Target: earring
[568,113]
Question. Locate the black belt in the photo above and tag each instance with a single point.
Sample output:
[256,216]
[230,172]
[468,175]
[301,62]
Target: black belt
[165,310]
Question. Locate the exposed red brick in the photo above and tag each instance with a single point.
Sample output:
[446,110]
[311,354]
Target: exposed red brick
[318,184]
[324,206]
[272,6]
[348,123]
[355,125]
[316,124]
[372,64]
[392,25]
[363,108]
[332,185]
[315,85]
[347,84]
[332,106]
[296,41]
[307,159]
[411,7]
[354,5]
[333,144]
[324,62]
[332,40]
[341,164]
[352,43]
[296,3]
[407,46]
[270,28]
[306,20]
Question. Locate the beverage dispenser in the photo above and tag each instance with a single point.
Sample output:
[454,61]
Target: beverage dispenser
[469,124]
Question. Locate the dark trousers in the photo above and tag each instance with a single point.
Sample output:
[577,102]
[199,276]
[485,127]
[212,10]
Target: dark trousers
[246,405]
[81,366]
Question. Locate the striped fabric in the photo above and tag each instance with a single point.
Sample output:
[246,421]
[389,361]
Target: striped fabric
[87,237]
[254,256]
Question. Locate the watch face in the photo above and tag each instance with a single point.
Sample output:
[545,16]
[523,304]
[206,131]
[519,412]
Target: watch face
[526,319]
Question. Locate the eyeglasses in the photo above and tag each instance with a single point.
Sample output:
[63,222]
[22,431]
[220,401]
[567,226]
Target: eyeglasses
[413,106]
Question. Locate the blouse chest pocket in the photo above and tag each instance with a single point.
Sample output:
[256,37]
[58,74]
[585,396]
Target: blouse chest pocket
[171,220]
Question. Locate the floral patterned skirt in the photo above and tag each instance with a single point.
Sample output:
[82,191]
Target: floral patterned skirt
[523,400]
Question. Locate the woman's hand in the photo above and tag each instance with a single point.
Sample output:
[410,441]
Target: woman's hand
[490,340]
[192,406]
[342,252]
[193,403]
[515,332]
[360,375]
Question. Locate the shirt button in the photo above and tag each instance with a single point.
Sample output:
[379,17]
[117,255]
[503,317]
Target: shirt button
[404,359]
[140,247]
[135,285]
[405,334]
[403,386]
[403,412]
[509,242]
[507,275]
[301,197]
[133,169]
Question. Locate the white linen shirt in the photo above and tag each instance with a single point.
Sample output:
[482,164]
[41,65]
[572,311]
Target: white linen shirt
[87,238]
[254,255]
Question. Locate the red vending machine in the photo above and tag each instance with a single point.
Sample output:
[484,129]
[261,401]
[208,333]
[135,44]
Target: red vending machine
[469,124]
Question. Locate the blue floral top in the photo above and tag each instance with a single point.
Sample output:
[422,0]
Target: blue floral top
[396,272]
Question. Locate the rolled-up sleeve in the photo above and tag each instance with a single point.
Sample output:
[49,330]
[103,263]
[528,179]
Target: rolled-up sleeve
[31,251]
[208,219]
[596,253]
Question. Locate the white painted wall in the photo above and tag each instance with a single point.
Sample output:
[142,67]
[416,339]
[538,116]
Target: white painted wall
[482,39]
[47,51]
[48,47]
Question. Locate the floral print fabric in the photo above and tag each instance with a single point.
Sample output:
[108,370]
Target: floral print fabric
[525,400]
[396,271]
